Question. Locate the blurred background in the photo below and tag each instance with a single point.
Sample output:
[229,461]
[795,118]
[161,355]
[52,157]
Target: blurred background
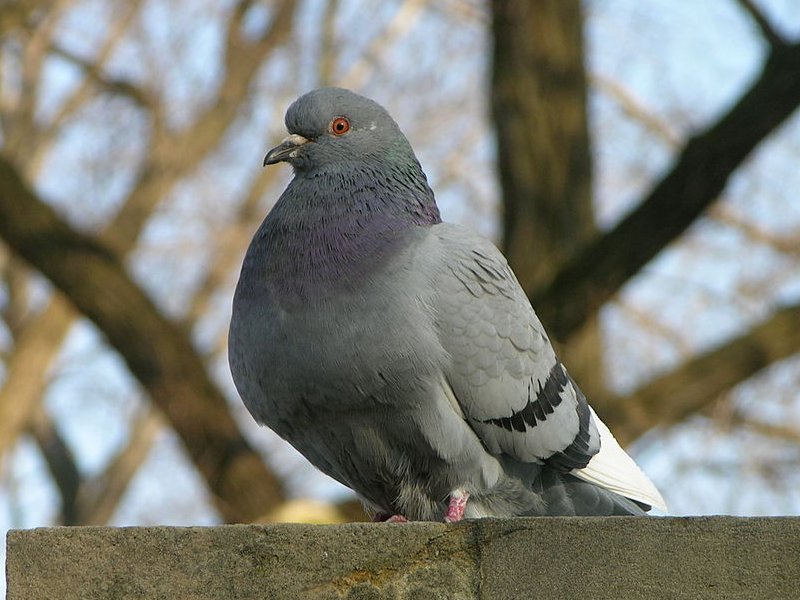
[637,162]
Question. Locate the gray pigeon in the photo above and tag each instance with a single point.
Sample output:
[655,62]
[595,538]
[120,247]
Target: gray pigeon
[399,353]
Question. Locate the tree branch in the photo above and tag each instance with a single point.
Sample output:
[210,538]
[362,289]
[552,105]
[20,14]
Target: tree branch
[697,383]
[783,432]
[786,243]
[97,499]
[769,33]
[20,130]
[173,154]
[634,108]
[166,164]
[699,175]
[231,245]
[60,462]
[94,74]
[157,352]
[538,102]
[36,346]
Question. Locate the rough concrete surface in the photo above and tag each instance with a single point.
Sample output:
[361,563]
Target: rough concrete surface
[585,558]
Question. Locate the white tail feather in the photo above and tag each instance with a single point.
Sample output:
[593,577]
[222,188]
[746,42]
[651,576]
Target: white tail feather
[614,470]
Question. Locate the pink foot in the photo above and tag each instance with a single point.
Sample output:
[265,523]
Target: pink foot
[382,517]
[397,519]
[456,507]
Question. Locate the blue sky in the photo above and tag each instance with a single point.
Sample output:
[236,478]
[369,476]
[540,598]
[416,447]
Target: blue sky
[683,62]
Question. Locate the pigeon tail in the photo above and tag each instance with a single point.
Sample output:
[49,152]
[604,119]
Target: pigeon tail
[613,469]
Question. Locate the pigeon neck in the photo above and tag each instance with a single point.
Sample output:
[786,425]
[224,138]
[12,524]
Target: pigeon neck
[377,190]
[315,241]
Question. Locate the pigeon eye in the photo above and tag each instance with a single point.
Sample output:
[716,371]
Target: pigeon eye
[339,126]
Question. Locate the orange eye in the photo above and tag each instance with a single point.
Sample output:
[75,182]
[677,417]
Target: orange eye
[340,126]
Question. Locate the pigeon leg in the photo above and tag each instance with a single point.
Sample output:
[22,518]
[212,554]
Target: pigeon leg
[397,519]
[382,517]
[456,506]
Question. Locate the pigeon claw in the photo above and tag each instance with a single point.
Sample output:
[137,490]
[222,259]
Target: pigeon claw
[397,519]
[456,506]
[383,517]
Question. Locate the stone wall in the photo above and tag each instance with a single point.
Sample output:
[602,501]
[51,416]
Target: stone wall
[584,558]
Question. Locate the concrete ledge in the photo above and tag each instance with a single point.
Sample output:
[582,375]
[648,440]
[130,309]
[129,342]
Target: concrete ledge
[585,558]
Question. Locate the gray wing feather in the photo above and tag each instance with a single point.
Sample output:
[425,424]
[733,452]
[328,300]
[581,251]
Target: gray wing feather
[503,370]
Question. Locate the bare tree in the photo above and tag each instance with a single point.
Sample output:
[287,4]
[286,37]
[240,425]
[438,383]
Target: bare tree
[185,122]
[527,86]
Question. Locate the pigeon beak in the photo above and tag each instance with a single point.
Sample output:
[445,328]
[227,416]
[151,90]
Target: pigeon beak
[285,150]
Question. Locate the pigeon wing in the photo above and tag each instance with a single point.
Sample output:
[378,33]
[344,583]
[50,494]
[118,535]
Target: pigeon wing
[502,369]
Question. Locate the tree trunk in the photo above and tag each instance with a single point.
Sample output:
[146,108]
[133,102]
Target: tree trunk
[539,108]
[156,350]
[539,92]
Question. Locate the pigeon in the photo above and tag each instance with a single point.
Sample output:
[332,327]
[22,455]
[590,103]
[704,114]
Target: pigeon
[398,353]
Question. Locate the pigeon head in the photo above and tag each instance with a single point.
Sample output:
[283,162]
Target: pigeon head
[350,157]
[332,129]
